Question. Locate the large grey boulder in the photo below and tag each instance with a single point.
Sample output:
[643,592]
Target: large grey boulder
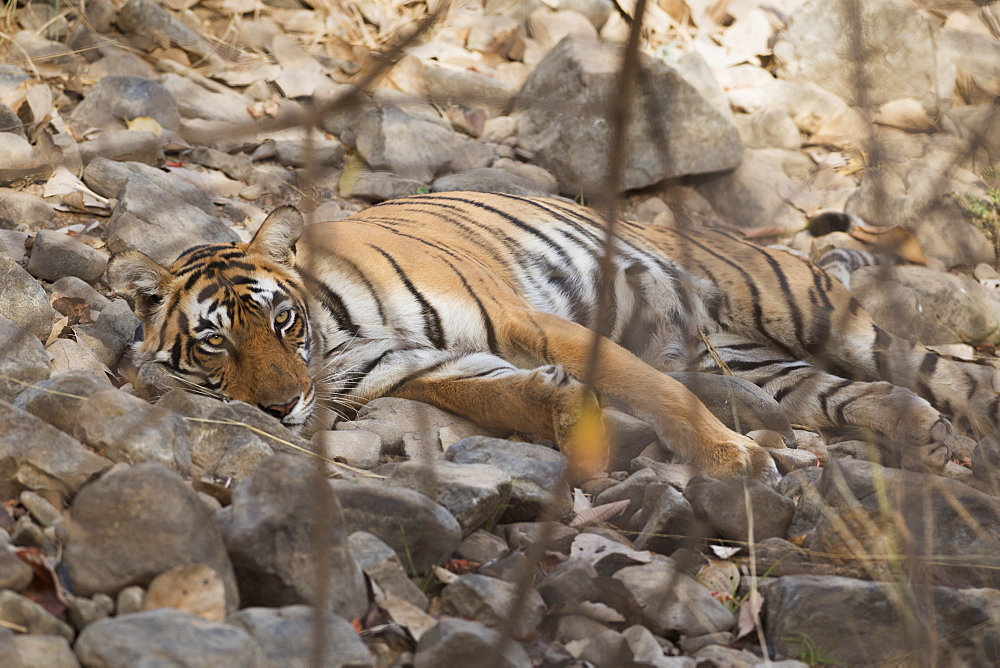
[675,131]
[900,49]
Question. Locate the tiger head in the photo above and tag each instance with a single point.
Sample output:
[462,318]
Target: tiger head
[230,318]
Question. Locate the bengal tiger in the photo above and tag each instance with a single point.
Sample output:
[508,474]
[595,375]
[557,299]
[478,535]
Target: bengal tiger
[480,304]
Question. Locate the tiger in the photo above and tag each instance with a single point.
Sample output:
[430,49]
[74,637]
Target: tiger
[484,305]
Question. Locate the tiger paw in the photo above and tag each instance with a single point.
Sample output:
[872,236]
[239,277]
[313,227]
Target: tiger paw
[735,454]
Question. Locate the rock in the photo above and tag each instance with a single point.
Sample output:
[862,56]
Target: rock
[669,521]
[288,497]
[422,533]
[45,650]
[24,210]
[608,648]
[581,74]
[541,177]
[409,146]
[849,621]
[123,145]
[380,563]
[676,475]
[128,527]
[445,86]
[723,503]
[930,515]
[16,609]
[915,68]
[24,301]
[17,152]
[11,122]
[633,488]
[393,418]
[357,447]
[285,636]
[148,20]
[986,463]
[379,186]
[930,306]
[194,101]
[569,582]
[43,512]
[165,636]
[155,222]
[646,648]
[489,179]
[481,547]
[68,355]
[229,440]
[472,493]
[15,574]
[458,642]
[107,177]
[115,99]
[128,429]
[717,655]
[771,128]
[751,195]
[35,455]
[83,611]
[538,485]
[672,602]
[236,167]
[105,346]
[555,536]
[23,360]
[71,286]
[56,255]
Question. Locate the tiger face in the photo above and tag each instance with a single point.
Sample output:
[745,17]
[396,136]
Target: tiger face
[231,319]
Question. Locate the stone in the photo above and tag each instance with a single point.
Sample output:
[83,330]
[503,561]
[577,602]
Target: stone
[24,612]
[108,177]
[771,128]
[149,21]
[56,255]
[382,565]
[128,429]
[569,582]
[105,346]
[23,360]
[25,210]
[117,319]
[409,146]
[555,537]
[35,455]
[128,527]
[285,636]
[819,46]
[672,602]
[481,547]
[541,177]
[422,533]
[677,475]
[151,220]
[931,306]
[392,418]
[45,650]
[83,611]
[194,101]
[986,463]
[459,642]
[358,447]
[43,512]
[236,167]
[229,440]
[724,504]
[69,355]
[472,493]
[538,488]
[669,521]
[123,145]
[848,621]
[489,179]
[165,636]
[11,122]
[15,574]
[17,152]
[379,186]
[607,648]
[751,195]
[632,489]
[548,27]
[288,497]
[74,287]
[580,74]
[446,86]
[24,301]
[115,99]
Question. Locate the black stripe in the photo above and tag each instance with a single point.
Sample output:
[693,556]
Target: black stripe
[331,301]
[421,372]
[785,390]
[432,320]
[825,396]
[491,335]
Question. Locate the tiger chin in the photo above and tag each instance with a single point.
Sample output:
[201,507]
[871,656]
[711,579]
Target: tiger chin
[479,304]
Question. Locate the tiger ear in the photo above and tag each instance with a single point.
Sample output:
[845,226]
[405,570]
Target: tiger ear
[138,278]
[277,235]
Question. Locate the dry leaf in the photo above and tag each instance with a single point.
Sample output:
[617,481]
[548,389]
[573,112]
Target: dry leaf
[593,549]
[896,240]
[749,613]
[404,613]
[720,577]
[63,183]
[725,551]
[145,124]
[905,114]
[193,588]
[444,575]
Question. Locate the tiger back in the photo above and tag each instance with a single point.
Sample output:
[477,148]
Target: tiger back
[484,304]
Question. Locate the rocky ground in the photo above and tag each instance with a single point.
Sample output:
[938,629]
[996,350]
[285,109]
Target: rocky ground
[192,532]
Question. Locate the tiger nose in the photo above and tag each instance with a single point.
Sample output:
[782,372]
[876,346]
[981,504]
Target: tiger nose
[280,410]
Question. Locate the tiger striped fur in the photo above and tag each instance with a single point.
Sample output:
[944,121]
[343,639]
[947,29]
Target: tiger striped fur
[480,304]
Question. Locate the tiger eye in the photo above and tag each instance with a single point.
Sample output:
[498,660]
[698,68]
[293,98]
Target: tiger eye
[282,317]
[215,340]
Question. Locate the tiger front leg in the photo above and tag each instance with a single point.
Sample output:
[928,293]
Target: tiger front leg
[495,394]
